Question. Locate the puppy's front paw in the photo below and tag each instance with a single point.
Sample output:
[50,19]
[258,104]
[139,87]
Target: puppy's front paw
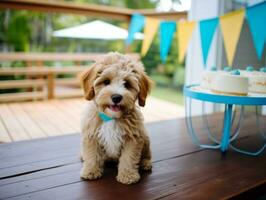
[90,173]
[128,177]
[146,165]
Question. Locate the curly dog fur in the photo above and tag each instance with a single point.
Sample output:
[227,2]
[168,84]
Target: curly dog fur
[113,85]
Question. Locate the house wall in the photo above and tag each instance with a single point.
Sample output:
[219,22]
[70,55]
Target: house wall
[245,53]
[194,61]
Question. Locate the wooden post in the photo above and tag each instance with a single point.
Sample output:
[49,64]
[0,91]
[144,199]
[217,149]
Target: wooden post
[128,49]
[50,85]
[77,63]
[39,63]
[29,63]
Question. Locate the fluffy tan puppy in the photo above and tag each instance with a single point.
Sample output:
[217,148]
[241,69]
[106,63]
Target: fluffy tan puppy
[112,124]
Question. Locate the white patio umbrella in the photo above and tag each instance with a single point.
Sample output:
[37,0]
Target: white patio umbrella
[95,30]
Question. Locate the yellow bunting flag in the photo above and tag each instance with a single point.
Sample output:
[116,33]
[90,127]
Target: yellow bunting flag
[150,29]
[184,32]
[231,25]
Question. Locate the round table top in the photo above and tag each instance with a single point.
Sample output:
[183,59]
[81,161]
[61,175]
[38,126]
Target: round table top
[196,92]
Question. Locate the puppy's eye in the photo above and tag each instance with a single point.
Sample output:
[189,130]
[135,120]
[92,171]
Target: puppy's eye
[106,82]
[127,85]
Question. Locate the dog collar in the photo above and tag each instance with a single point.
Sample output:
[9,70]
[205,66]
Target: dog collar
[105,117]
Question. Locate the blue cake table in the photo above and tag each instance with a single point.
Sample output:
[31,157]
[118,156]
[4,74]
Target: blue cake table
[196,92]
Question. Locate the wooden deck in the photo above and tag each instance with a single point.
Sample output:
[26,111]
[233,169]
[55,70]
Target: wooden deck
[49,168]
[31,120]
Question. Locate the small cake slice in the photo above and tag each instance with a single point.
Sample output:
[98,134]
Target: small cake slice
[231,83]
[257,81]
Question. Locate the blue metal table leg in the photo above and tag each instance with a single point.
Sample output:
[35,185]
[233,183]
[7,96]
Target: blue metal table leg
[227,127]
[191,130]
[263,133]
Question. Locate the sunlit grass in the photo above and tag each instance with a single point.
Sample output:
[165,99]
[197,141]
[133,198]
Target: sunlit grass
[168,94]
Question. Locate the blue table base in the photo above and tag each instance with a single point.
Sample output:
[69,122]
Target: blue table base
[229,117]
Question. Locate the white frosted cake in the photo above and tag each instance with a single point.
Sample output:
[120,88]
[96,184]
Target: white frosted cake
[235,82]
[209,75]
[207,79]
[230,83]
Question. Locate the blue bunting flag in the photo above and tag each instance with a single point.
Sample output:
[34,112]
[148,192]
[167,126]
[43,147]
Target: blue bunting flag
[207,30]
[256,17]
[167,30]
[136,25]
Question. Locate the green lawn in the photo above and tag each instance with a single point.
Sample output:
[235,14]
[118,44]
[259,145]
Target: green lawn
[168,94]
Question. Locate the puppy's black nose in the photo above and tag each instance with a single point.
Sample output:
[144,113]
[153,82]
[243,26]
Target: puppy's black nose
[116,98]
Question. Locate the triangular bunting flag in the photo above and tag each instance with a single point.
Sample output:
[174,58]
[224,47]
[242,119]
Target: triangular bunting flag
[231,26]
[184,33]
[167,30]
[150,29]
[256,17]
[136,25]
[207,30]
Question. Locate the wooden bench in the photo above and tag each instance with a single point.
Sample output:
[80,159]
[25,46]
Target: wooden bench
[49,168]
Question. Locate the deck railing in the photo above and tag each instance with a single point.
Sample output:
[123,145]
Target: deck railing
[40,83]
[37,81]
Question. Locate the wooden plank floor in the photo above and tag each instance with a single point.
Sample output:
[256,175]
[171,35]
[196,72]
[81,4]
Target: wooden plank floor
[31,120]
[49,168]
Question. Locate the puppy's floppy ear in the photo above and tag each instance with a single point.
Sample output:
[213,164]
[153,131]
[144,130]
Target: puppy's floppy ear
[145,88]
[87,78]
